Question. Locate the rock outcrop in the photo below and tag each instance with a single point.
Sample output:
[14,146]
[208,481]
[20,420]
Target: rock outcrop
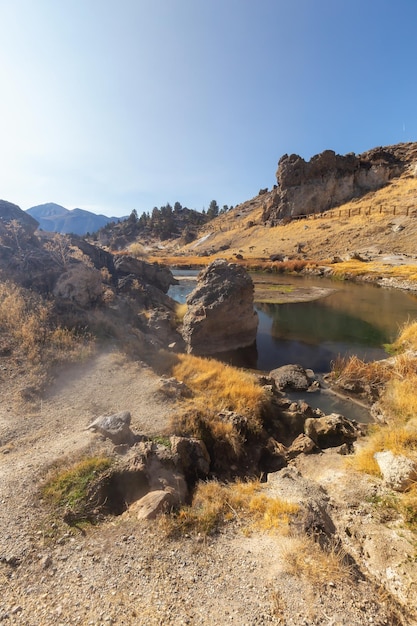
[220,314]
[329,179]
[78,278]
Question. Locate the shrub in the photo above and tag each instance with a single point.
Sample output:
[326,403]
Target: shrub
[137,250]
[30,323]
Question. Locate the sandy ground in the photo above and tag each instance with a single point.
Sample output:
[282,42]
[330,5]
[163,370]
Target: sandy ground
[126,572]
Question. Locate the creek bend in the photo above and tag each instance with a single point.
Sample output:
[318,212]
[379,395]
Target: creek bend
[311,321]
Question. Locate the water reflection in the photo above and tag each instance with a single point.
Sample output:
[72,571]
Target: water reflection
[313,335]
[355,319]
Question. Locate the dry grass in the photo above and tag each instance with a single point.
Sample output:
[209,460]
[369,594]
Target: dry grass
[344,229]
[180,311]
[354,268]
[218,386]
[31,326]
[304,558]
[215,504]
[218,389]
[407,339]
[137,250]
[251,264]
[354,370]
[399,433]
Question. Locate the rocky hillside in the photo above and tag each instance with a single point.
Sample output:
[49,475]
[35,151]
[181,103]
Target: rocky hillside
[329,179]
[380,220]
[179,224]
[84,283]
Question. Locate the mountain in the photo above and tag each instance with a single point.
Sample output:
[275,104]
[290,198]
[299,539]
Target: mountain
[57,219]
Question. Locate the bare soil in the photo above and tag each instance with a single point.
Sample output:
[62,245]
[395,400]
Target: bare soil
[127,572]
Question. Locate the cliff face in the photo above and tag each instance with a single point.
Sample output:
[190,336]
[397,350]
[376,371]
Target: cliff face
[329,179]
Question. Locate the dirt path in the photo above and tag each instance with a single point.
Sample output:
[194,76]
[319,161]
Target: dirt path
[105,384]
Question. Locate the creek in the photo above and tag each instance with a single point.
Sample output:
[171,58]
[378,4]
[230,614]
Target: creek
[353,319]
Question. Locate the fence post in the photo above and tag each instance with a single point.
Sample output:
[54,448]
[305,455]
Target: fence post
[349,213]
[394,209]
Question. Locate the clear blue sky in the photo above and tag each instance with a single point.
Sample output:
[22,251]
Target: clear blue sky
[114,105]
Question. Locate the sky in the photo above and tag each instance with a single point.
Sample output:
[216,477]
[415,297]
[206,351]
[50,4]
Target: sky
[115,105]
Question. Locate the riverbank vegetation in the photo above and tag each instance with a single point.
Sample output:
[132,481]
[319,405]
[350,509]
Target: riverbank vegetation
[217,388]
[397,377]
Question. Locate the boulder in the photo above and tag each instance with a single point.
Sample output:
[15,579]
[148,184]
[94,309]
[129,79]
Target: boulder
[150,273]
[220,314]
[398,471]
[331,430]
[174,388]
[301,445]
[115,427]
[152,504]
[292,377]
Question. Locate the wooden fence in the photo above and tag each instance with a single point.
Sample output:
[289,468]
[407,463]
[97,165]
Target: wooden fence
[352,211]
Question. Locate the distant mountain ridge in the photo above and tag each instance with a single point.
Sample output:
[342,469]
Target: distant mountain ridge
[57,219]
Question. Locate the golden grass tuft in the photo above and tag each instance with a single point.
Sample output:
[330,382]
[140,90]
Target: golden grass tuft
[400,398]
[399,434]
[355,370]
[215,504]
[219,386]
[137,250]
[407,339]
[304,558]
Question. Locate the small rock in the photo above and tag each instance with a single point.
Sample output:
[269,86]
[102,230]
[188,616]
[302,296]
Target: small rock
[398,471]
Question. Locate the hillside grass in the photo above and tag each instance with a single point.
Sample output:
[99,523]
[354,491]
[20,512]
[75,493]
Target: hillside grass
[356,225]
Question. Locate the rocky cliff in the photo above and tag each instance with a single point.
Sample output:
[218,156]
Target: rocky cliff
[329,179]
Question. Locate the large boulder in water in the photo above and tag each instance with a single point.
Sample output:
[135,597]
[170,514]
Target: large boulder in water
[220,314]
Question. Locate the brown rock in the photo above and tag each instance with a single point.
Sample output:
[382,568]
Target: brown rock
[150,505]
[291,377]
[331,430]
[301,445]
[220,315]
